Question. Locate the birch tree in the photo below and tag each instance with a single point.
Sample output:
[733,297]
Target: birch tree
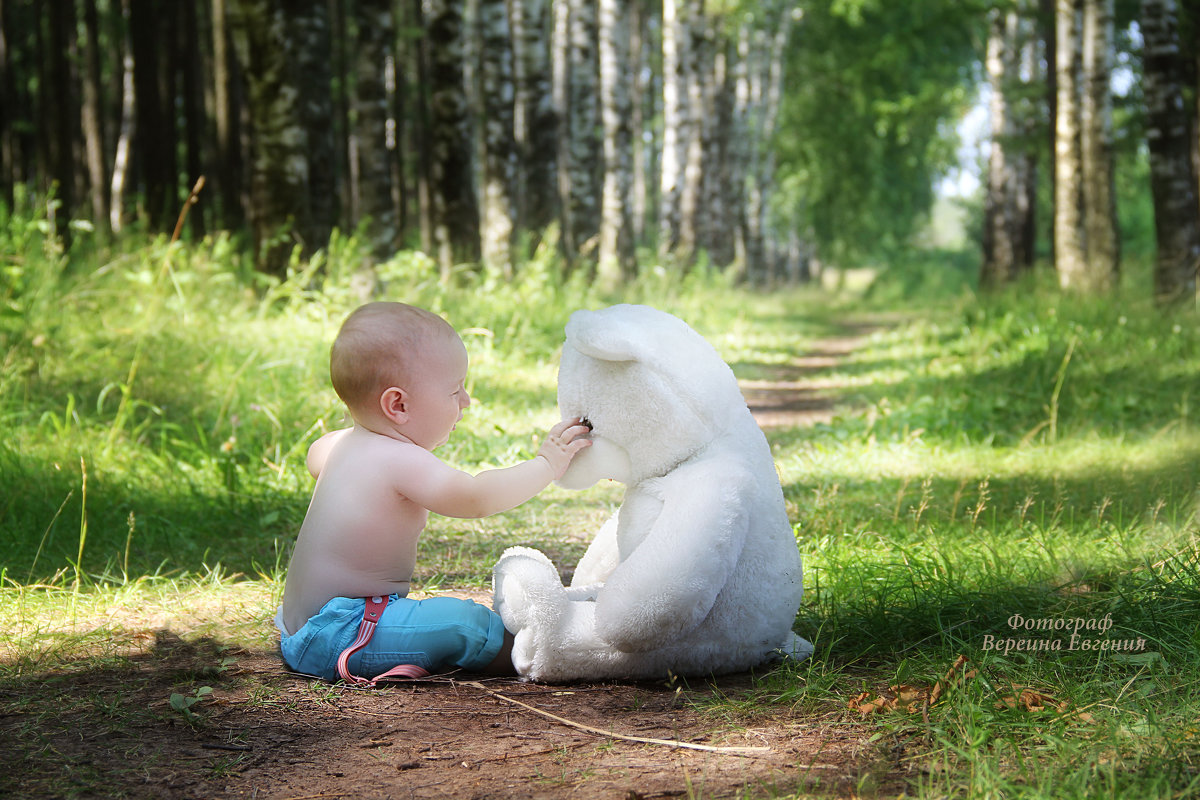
[1070,254]
[581,201]
[696,129]
[1009,201]
[760,94]
[454,215]
[1085,238]
[676,45]
[1100,205]
[93,114]
[535,121]
[496,81]
[228,167]
[643,107]
[285,53]
[999,261]
[719,193]
[1172,177]
[616,261]
[375,59]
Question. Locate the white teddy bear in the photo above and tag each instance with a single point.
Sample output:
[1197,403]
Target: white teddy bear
[698,571]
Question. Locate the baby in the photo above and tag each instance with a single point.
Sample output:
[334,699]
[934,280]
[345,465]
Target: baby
[401,371]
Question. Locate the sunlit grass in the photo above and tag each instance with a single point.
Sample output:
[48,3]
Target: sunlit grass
[58,626]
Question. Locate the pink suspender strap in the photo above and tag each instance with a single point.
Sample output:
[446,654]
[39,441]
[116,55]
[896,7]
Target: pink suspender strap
[366,629]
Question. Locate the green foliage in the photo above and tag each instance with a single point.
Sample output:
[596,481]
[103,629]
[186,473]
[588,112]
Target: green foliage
[866,123]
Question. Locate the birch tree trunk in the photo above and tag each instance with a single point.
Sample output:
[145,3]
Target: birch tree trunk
[535,121]
[454,211]
[93,114]
[311,53]
[676,133]
[374,59]
[1172,177]
[616,255]
[496,81]
[560,80]
[1099,207]
[1070,255]
[740,152]
[642,96]
[999,223]
[64,123]
[285,55]
[195,120]
[422,119]
[695,131]
[121,159]
[762,93]
[583,148]
[1028,118]
[719,183]
[228,169]
[772,103]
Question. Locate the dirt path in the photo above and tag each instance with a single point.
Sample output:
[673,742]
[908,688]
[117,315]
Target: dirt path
[119,731]
[800,392]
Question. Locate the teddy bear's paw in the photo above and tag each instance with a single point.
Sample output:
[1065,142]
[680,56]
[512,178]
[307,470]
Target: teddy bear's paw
[525,588]
[604,459]
[524,653]
[795,648]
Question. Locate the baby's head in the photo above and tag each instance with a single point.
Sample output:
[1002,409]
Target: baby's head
[386,346]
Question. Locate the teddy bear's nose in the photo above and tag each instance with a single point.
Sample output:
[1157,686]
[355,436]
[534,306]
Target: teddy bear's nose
[587,422]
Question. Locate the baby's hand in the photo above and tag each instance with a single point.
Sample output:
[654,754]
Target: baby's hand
[563,442]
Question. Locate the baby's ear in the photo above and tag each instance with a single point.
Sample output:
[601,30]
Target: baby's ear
[603,337]
[393,403]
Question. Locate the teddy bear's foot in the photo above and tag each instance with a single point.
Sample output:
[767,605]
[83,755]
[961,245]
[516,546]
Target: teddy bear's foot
[526,585]
[795,648]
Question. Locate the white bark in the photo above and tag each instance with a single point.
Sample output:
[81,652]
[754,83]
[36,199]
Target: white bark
[1099,208]
[496,81]
[1070,257]
[615,261]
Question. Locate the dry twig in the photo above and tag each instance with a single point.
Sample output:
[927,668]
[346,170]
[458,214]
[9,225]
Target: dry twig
[738,751]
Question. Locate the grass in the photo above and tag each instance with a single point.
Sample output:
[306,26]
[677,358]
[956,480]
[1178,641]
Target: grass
[1026,456]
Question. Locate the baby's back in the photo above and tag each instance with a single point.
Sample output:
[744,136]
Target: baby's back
[359,537]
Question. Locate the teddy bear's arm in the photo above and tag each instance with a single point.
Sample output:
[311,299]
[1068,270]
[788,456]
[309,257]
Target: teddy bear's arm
[667,585]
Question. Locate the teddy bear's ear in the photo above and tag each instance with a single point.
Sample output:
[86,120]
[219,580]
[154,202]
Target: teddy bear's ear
[600,335]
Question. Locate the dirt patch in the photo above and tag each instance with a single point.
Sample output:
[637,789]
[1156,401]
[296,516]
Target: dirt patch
[113,731]
[801,391]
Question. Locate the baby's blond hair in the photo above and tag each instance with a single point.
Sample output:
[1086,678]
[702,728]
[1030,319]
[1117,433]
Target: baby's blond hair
[376,348]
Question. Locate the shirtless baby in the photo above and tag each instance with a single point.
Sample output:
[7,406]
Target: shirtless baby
[401,371]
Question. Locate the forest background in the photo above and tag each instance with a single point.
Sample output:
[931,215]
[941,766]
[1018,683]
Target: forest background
[775,137]
[1001,381]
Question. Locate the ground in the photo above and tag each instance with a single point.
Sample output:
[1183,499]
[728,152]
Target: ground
[189,717]
[265,733]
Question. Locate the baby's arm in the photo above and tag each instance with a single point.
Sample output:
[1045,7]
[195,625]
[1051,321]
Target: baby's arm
[319,451]
[453,493]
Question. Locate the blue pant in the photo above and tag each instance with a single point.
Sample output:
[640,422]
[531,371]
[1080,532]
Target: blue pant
[434,634]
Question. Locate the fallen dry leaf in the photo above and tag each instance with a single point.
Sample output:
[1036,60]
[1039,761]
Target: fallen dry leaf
[914,699]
